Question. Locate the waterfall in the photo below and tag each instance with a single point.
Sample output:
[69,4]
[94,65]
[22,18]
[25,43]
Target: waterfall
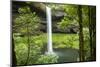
[49,30]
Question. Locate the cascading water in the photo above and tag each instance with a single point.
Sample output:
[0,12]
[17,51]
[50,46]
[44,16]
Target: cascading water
[49,31]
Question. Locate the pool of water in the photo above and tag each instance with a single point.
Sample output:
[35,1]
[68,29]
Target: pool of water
[67,55]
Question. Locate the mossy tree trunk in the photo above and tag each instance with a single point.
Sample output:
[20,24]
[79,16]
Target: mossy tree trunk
[92,31]
[81,38]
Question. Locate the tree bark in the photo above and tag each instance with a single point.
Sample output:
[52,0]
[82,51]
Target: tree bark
[92,31]
[81,38]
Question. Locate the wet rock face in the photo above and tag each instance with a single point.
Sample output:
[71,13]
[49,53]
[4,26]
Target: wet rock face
[58,14]
[70,29]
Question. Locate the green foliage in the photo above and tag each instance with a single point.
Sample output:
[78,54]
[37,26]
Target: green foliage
[86,42]
[70,17]
[85,17]
[35,52]
[65,41]
[46,59]
[21,50]
[20,53]
[36,47]
[24,10]
[26,18]
[26,22]
[86,34]
[40,40]
[64,23]
[71,10]
[73,41]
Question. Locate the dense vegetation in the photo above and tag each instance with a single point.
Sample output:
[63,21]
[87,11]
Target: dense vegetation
[29,42]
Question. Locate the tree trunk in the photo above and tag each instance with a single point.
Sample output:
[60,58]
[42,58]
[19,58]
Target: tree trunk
[81,38]
[92,31]
[28,43]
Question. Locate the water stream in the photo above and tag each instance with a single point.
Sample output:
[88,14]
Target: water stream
[49,30]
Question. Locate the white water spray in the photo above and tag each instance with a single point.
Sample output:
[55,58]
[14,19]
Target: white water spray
[49,30]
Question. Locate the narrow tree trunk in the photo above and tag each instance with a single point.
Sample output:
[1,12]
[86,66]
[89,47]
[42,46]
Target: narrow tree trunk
[81,41]
[92,31]
[28,43]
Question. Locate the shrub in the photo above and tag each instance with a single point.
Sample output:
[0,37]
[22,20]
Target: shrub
[45,59]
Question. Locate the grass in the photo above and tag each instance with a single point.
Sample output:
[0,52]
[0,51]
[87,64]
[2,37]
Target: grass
[65,40]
